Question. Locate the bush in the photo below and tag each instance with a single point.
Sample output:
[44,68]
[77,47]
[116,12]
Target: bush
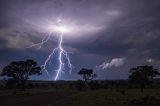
[80,85]
[94,85]
[10,84]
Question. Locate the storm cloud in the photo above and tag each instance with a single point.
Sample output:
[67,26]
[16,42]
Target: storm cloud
[102,29]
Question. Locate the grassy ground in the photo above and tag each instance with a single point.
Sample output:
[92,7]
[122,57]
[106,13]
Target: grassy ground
[76,98]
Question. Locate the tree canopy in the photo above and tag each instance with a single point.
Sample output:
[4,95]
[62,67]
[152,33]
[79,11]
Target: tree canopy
[142,75]
[87,74]
[21,70]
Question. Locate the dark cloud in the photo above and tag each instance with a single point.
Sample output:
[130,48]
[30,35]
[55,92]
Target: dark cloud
[105,29]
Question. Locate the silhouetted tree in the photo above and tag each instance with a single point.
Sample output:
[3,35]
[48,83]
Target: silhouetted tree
[19,71]
[142,75]
[87,74]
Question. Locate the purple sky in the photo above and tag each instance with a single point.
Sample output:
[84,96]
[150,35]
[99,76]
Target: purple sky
[109,36]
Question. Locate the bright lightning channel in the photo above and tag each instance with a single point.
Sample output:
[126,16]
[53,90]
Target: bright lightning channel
[61,52]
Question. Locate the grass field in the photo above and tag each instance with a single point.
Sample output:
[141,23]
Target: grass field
[103,97]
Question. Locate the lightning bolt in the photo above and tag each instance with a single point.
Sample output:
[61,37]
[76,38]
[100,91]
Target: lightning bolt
[61,53]
[44,40]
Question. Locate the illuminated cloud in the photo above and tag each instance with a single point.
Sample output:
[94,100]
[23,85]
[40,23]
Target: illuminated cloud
[150,60]
[115,62]
[14,39]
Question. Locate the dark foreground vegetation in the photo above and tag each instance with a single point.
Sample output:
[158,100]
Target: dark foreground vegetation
[140,89]
[70,93]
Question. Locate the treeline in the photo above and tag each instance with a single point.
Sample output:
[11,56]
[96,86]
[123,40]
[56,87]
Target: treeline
[80,85]
[17,76]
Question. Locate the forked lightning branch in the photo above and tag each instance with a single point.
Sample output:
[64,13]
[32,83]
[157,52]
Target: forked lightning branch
[61,29]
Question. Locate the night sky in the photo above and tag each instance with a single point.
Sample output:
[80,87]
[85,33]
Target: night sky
[108,36]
